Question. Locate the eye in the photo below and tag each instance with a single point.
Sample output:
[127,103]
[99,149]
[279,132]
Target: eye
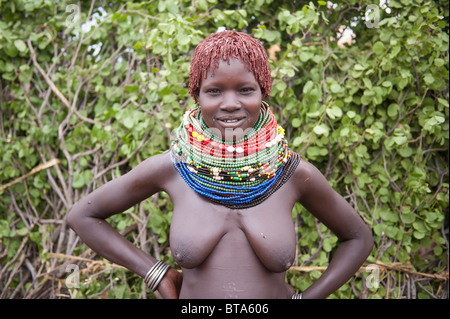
[247,90]
[213,91]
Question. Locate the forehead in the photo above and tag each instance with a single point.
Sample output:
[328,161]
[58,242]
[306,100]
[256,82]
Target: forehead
[229,70]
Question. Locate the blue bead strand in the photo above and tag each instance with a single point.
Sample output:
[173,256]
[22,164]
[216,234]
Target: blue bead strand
[234,195]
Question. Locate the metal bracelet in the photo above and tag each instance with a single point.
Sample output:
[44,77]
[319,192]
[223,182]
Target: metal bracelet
[151,271]
[156,274]
[297,296]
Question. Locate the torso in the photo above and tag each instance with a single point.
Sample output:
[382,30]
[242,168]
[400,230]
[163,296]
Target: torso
[227,253]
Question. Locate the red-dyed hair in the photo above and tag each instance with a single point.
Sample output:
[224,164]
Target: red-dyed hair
[227,45]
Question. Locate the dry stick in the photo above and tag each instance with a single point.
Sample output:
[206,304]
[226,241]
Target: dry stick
[71,109]
[45,76]
[126,159]
[16,266]
[40,167]
[12,275]
[53,86]
[71,257]
[395,266]
[92,264]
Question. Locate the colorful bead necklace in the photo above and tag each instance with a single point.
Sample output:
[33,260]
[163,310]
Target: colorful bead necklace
[237,174]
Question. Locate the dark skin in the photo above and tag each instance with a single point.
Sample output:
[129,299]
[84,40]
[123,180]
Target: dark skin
[226,253]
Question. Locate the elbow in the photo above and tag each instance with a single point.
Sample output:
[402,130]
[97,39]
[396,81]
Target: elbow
[73,218]
[363,239]
[368,240]
[70,219]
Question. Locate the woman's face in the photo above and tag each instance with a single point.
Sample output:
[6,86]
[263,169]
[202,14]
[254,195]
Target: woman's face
[230,99]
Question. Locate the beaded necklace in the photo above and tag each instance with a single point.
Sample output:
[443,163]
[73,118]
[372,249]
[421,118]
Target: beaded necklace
[238,174]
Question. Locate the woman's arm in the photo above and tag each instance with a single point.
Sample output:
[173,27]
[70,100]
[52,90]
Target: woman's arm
[356,242]
[87,217]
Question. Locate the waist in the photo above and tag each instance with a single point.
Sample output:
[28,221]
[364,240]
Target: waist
[233,283]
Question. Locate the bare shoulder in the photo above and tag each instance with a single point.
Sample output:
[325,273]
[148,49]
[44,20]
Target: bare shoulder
[160,161]
[305,172]
[154,172]
[308,180]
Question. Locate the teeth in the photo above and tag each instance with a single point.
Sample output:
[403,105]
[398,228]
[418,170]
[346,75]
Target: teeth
[230,121]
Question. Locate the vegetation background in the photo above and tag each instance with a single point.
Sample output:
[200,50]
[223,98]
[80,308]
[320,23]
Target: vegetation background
[89,89]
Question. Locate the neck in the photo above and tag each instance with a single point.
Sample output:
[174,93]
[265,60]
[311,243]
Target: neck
[232,172]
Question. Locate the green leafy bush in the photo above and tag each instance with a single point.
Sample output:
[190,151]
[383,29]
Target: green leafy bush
[99,88]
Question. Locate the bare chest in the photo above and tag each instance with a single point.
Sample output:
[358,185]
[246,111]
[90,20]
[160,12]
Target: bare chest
[202,232]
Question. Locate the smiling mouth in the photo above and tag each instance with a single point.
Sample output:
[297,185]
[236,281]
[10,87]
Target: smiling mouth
[231,122]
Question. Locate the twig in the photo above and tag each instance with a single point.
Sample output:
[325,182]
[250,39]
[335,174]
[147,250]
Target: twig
[38,168]
[71,257]
[395,266]
[53,86]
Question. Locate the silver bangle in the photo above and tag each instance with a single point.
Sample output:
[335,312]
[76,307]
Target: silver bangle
[156,274]
[297,296]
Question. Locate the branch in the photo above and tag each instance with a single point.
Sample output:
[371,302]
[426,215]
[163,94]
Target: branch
[395,266]
[40,167]
[53,86]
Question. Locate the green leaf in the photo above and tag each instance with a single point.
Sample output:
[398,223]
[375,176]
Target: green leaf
[322,129]
[297,141]
[429,78]
[313,151]
[367,83]
[22,231]
[296,122]
[305,56]
[439,62]
[335,88]
[393,110]
[344,132]
[20,45]
[307,87]
[271,36]
[128,122]
[387,84]
[378,48]
[281,86]
[183,39]
[334,112]
[400,140]
[405,151]
[443,102]
[78,180]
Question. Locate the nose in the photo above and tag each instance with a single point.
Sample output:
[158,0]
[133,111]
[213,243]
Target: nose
[230,102]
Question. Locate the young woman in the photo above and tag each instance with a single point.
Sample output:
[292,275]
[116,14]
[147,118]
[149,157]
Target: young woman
[233,182]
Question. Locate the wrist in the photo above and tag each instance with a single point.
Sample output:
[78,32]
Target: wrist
[155,274]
